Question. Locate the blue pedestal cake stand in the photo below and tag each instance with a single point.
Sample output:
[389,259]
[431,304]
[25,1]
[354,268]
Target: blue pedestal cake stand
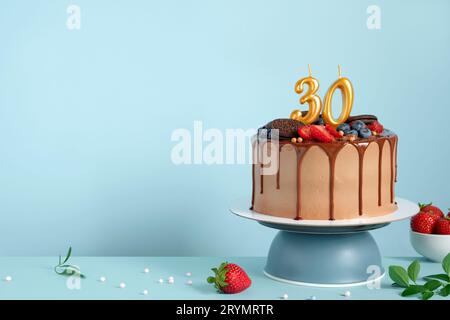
[322,253]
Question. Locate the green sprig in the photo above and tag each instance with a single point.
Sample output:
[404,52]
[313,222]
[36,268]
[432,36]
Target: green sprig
[65,269]
[435,283]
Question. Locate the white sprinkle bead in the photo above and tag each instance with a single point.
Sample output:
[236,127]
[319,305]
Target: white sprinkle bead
[171,280]
[189,282]
[8,278]
[347,293]
[146,270]
[285,296]
[122,285]
[160,280]
[188,274]
[102,279]
[312,298]
[145,292]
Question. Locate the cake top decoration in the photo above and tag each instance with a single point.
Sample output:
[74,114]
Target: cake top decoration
[315,103]
[317,123]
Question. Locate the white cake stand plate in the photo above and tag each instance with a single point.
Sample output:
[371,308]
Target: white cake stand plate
[322,253]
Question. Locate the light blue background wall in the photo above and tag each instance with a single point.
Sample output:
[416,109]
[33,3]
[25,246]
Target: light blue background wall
[86,116]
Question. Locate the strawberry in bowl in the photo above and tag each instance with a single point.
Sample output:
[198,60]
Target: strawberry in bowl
[430,232]
[443,225]
[433,210]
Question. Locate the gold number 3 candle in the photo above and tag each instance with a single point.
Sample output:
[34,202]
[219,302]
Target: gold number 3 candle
[346,88]
[310,97]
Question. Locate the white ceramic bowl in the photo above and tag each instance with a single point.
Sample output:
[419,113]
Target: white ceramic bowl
[432,246]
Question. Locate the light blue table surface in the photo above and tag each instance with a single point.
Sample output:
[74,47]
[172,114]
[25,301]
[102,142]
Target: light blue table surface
[34,278]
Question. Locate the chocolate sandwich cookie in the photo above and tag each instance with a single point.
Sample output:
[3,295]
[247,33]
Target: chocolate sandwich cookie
[287,128]
[366,118]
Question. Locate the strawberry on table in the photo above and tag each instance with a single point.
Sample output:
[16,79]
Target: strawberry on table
[423,222]
[443,226]
[321,134]
[230,278]
[431,209]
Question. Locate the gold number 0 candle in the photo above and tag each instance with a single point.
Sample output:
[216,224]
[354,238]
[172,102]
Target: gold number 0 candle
[346,88]
[310,97]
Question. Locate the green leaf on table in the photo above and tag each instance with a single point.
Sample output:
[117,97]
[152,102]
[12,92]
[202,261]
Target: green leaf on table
[69,270]
[399,275]
[427,295]
[446,264]
[58,271]
[69,253]
[441,277]
[66,269]
[72,269]
[69,266]
[413,270]
[432,285]
[412,290]
[75,272]
[445,291]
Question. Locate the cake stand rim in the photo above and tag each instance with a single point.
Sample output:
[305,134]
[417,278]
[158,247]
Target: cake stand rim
[325,285]
[405,210]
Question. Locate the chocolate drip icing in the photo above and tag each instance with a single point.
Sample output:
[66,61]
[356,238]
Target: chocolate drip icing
[261,176]
[332,150]
[393,144]
[255,145]
[361,148]
[300,153]
[261,166]
[279,166]
[253,186]
[396,150]
[380,167]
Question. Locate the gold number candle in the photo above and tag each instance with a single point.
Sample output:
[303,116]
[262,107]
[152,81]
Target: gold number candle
[346,88]
[310,97]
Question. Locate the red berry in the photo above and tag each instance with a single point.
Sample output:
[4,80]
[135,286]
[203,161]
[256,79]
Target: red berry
[376,126]
[305,132]
[230,278]
[332,131]
[443,226]
[321,134]
[423,222]
[431,209]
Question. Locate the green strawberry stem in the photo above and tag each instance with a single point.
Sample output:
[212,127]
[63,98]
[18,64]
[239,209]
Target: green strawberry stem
[219,276]
[423,205]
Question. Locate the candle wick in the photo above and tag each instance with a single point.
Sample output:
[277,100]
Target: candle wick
[309,70]
[339,71]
